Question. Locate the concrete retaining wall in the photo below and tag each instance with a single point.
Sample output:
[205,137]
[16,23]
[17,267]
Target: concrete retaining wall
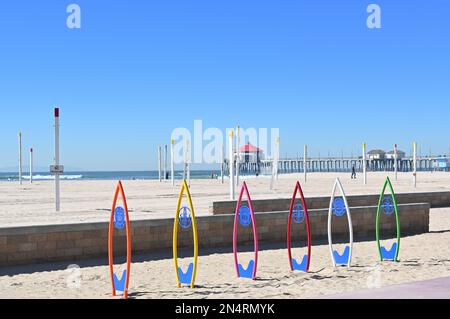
[436,199]
[26,245]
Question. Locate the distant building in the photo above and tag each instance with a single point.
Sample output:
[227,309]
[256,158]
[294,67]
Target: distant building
[249,153]
[391,155]
[442,163]
[377,154]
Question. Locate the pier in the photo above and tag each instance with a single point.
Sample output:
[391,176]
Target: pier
[335,165]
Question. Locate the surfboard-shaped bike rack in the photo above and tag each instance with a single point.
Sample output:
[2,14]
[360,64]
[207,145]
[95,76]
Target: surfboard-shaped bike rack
[338,208]
[245,217]
[185,218]
[388,206]
[299,214]
[119,220]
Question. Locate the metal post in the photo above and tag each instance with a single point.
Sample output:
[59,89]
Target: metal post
[222,166]
[305,161]
[364,163]
[278,156]
[231,165]
[166,164]
[57,182]
[188,162]
[396,161]
[20,158]
[415,164]
[31,165]
[159,164]
[238,159]
[172,164]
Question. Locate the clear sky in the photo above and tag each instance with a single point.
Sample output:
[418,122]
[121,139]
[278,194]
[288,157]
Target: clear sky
[138,69]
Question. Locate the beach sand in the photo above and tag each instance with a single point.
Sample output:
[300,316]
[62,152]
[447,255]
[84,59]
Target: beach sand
[422,257]
[90,201]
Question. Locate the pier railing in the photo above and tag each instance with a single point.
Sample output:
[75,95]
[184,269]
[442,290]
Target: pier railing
[335,165]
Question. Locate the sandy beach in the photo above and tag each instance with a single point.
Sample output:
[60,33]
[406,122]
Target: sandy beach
[90,201]
[422,257]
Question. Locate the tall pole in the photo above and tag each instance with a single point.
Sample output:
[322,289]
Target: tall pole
[275,164]
[364,163]
[231,164]
[20,158]
[222,166]
[396,161]
[415,164]
[165,162]
[57,185]
[188,162]
[278,157]
[305,162]
[31,165]
[159,164]
[238,151]
[185,161]
[172,164]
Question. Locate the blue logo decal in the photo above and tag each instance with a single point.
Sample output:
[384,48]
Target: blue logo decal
[298,214]
[339,207]
[245,218]
[119,218]
[247,273]
[184,218]
[186,278]
[342,259]
[119,284]
[389,254]
[302,266]
[388,205]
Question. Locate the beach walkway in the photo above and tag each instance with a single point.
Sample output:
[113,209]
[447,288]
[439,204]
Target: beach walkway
[430,289]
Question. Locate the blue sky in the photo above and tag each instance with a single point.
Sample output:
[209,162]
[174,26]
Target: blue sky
[138,69]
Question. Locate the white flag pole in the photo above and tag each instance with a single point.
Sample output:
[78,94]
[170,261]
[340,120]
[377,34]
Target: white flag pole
[238,160]
[231,164]
[396,161]
[223,164]
[364,147]
[305,161]
[188,162]
[278,157]
[172,163]
[415,164]
[20,158]
[31,165]
[165,162]
[159,164]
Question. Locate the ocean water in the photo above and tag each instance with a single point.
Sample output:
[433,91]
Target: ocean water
[149,175]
